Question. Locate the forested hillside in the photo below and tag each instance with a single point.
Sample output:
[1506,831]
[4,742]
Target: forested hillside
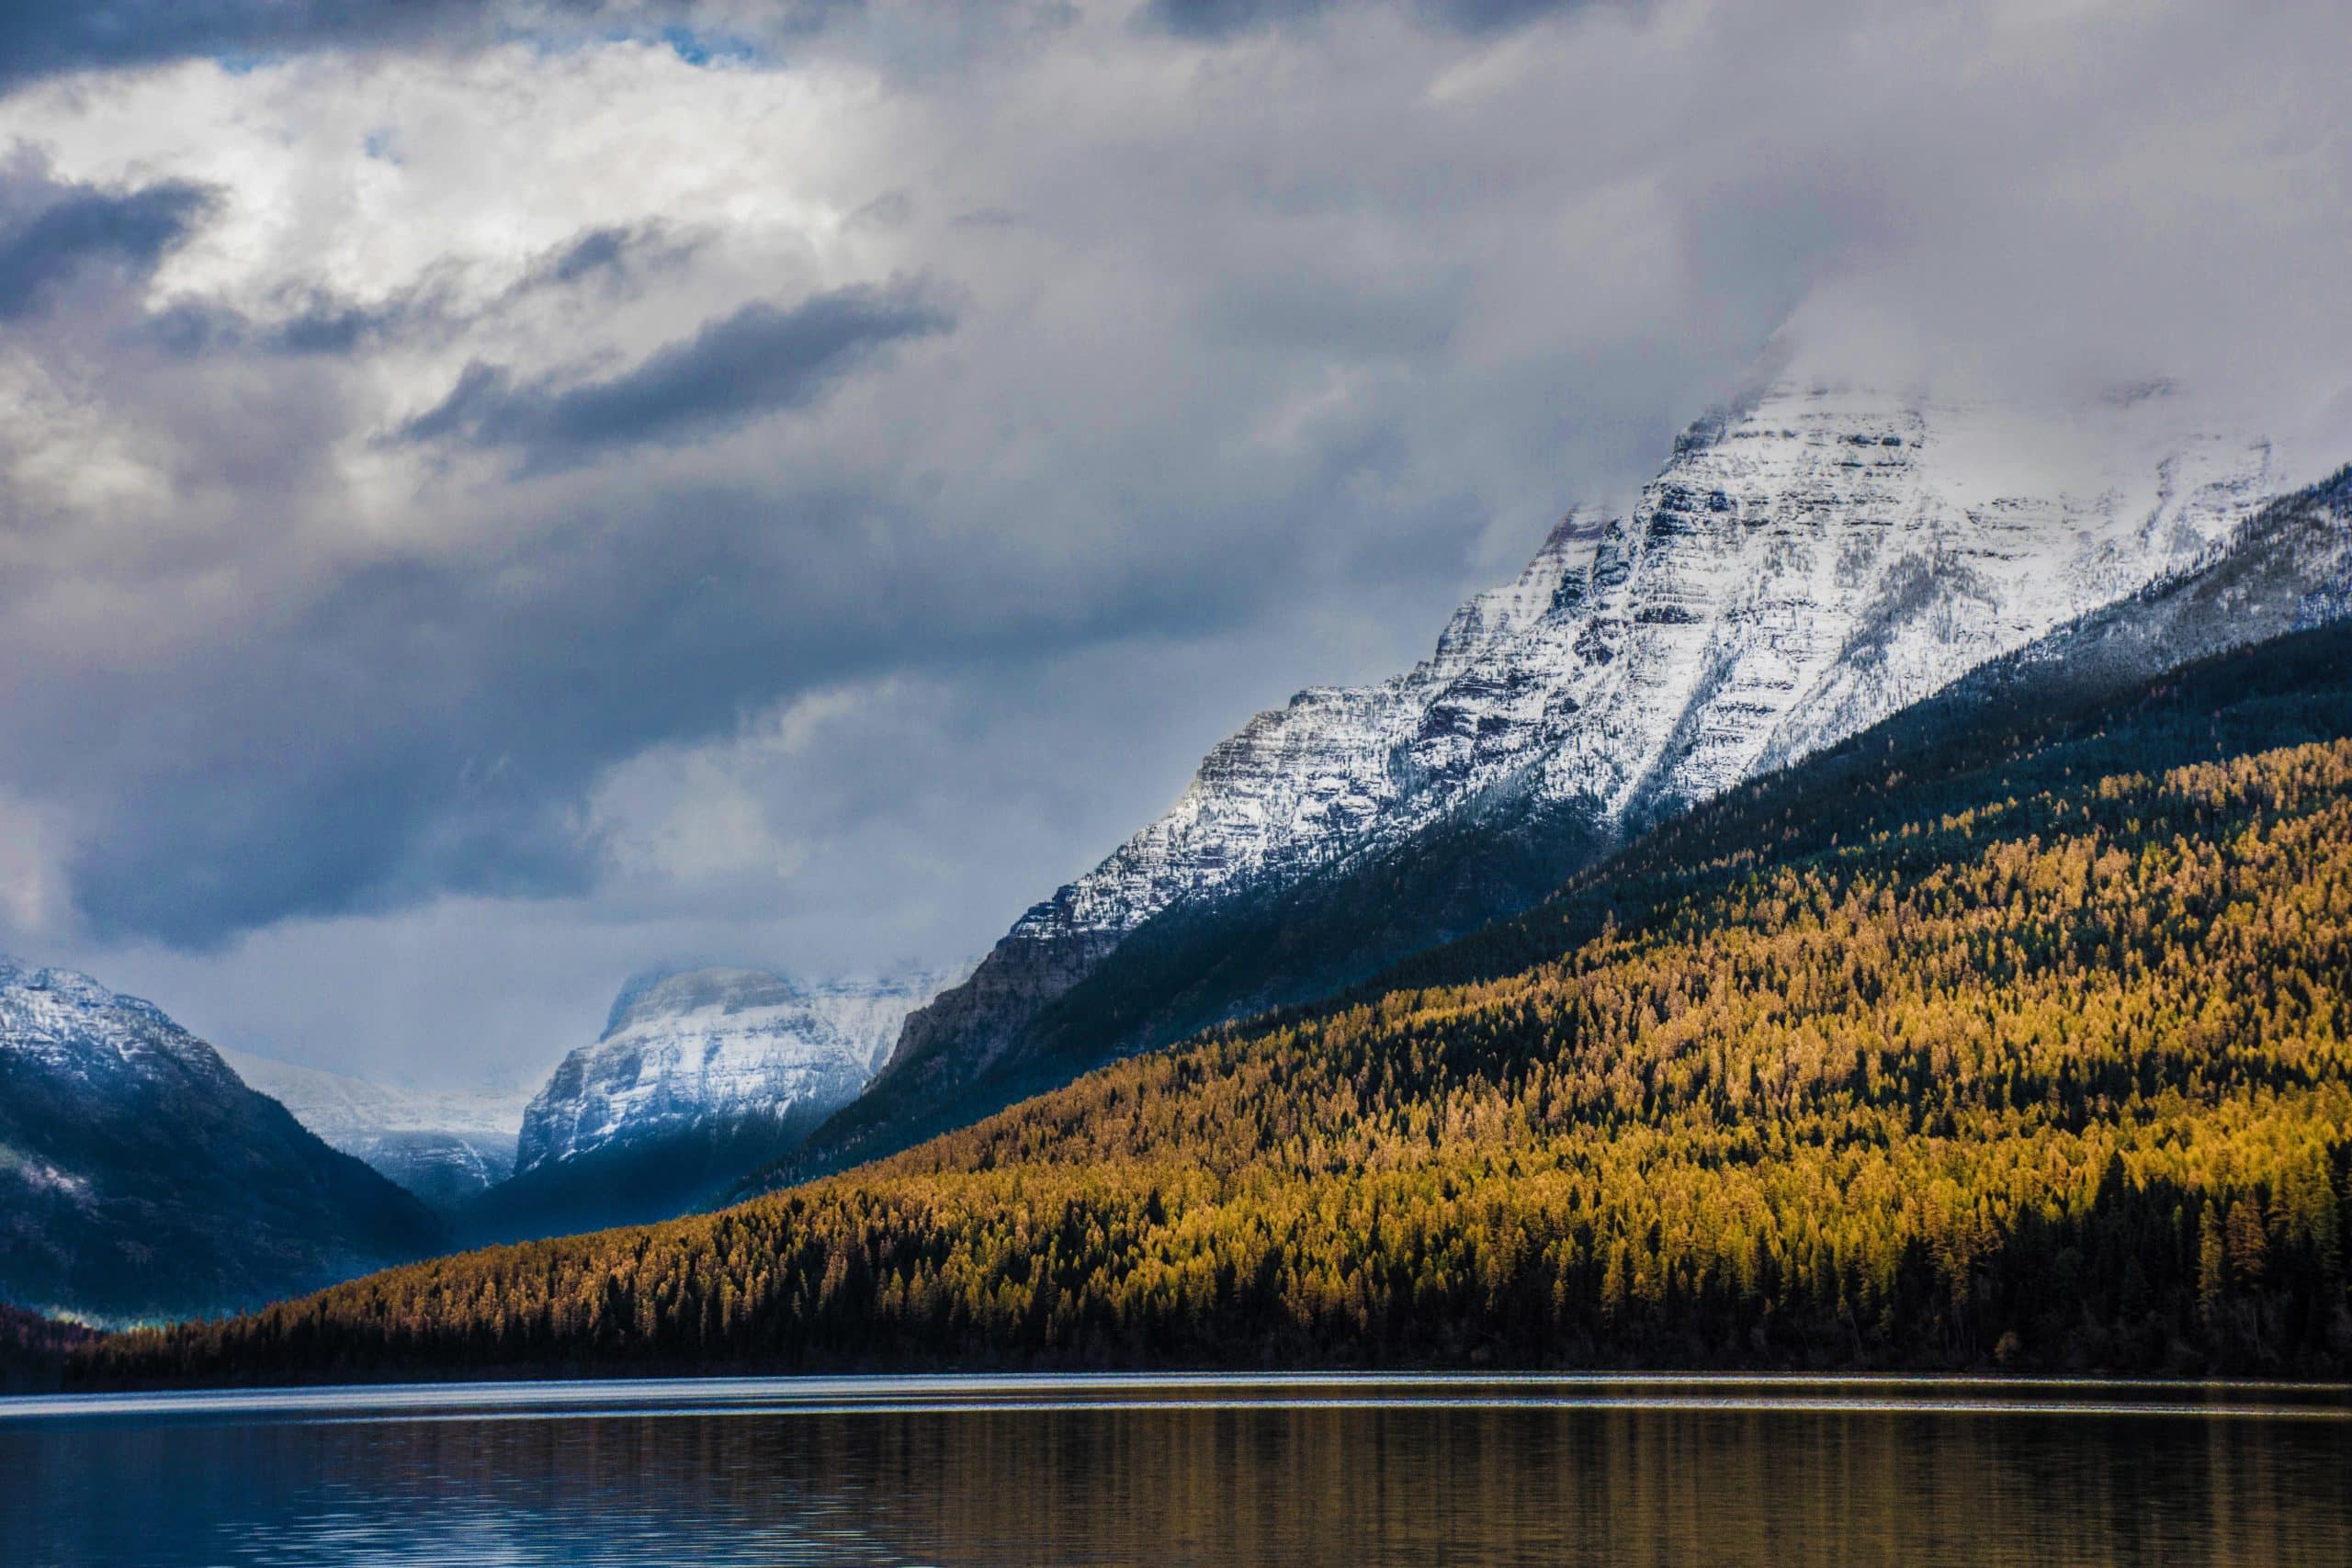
[2027,1046]
[1195,965]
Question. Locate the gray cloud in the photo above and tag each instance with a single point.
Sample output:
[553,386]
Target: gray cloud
[1222,19]
[1228,18]
[52,231]
[1258,364]
[758,360]
[615,259]
[609,254]
[431,729]
[316,323]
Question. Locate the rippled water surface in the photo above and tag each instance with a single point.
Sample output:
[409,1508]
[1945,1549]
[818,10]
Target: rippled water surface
[1187,1471]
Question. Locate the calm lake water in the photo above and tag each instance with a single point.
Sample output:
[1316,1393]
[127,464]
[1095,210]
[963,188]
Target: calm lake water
[1187,1471]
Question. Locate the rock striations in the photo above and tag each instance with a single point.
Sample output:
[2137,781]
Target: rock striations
[699,1078]
[1802,566]
[687,1049]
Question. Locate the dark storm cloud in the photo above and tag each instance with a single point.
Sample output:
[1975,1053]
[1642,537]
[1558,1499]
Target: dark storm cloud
[52,232]
[318,324]
[426,725]
[41,38]
[613,252]
[614,258]
[436,727]
[761,359]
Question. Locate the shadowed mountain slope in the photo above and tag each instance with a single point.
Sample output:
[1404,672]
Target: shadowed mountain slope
[141,1179]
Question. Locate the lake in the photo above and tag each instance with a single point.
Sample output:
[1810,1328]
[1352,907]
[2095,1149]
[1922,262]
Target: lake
[1188,1469]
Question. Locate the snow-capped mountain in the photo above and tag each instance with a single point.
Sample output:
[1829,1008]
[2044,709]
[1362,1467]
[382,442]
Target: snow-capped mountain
[1802,566]
[446,1146]
[1796,572]
[698,1078]
[686,1049]
[140,1177]
[2286,568]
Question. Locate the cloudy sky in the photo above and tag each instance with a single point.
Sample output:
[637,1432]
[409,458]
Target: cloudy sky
[494,496]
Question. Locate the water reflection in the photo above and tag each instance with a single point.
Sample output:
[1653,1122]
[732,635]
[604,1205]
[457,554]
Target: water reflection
[1117,1471]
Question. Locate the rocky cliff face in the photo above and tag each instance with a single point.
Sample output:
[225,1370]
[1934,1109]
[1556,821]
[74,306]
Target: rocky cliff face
[1801,568]
[699,1079]
[141,1179]
[690,1049]
[446,1147]
[1797,571]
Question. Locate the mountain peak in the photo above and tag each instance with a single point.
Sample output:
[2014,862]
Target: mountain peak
[1810,559]
[63,1011]
[70,984]
[142,1176]
[663,993]
[699,1050]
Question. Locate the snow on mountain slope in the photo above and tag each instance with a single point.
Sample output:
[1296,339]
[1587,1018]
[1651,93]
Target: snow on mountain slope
[2286,568]
[444,1146]
[713,1045]
[69,1024]
[1802,566]
[1794,573]
[140,1177]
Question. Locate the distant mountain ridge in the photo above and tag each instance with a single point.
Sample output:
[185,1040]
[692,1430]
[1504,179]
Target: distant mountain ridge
[700,1076]
[446,1146]
[1803,566]
[689,1046]
[140,1177]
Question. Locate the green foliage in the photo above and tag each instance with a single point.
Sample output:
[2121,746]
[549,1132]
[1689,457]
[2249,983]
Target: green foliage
[2032,1051]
